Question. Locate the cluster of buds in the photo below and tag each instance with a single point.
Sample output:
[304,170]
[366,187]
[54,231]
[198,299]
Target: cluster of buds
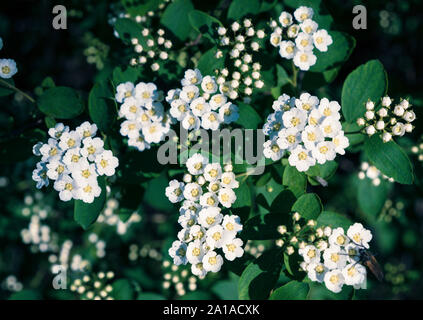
[178,277]
[255,249]
[297,237]
[389,120]
[146,251]
[153,50]
[372,173]
[96,287]
[391,210]
[242,74]
[418,150]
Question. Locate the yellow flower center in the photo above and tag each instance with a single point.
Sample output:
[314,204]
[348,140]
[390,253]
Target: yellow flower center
[216,236]
[68,186]
[88,189]
[75,158]
[214,187]
[131,126]
[295,121]
[87,133]
[191,120]
[334,279]
[144,117]
[334,257]
[212,260]
[306,106]
[212,117]
[311,136]
[194,192]
[327,112]
[291,139]
[276,40]
[177,191]
[336,141]
[128,94]
[351,271]
[91,150]
[289,49]
[217,99]
[133,109]
[86,173]
[194,80]
[304,16]
[313,121]
[152,129]
[328,129]
[5,69]
[213,173]
[146,95]
[231,247]
[308,29]
[319,40]
[304,42]
[60,169]
[53,151]
[285,21]
[191,94]
[302,155]
[210,220]
[357,237]
[209,85]
[323,149]
[227,180]
[275,148]
[230,226]
[210,201]
[103,163]
[224,197]
[311,253]
[319,269]
[200,107]
[303,57]
[340,240]
[196,252]
[198,166]
[276,126]
[71,143]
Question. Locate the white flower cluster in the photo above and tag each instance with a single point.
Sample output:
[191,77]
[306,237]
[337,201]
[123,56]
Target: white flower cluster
[341,255]
[38,235]
[309,128]
[179,278]
[97,287]
[65,259]
[100,245]
[389,120]
[7,66]
[11,283]
[110,217]
[372,173]
[201,102]
[301,37]
[204,228]
[418,150]
[154,49]
[243,75]
[73,160]
[146,121]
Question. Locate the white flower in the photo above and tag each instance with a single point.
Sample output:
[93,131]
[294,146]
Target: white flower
[209,199]
[354,274]
[310,136]
[359,235]
[192,77]
[146,92]
[174,192]
[329,108]
[307,102]
[310,254]
[316,271]
[301,159]
[226,197]
[55,169]
[178,109]
[409,116]
[295,118]
[217,101]
[338,238]
[309,26]
[173,95]
[398,129]
[196,164]
[303,13]
[69,140]
[73,159]
[189,93]
[233,249]
[331,127]
[85,173]
[212,261]
[178,252]
[187,219]
[213,186]
[198,270]
[322,40]
[131,108]
[192,191]
[197,232]
[210,121]
[199,106]
[324,151]
[215,236]
[39,175]
[289,138]
[123,91]
[315,118]
[195,252]
[293,30]
[334,280]
[153,133]
[275,39]
[334,258]
[92,147]
[67,187]
[272,150]
[304,60]
[228,113]
[285,19]
[386,101]
[287,49]
[106,163]
[7,68]
[353,252]
[304,42]
[341,142]
[138,143]
[190,122]
[130,128]
[209,84]
[228,180]
[57,131]
[386,137]
[88,190]
[212,171]
[370,130]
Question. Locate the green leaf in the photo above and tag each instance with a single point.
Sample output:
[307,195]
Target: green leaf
[282,76]
[150,296]
[61,103]
[226,290]
[122,290]
[100,106]
[319,292]
[371,198]
[293,179]
[308,206]
[248,116]
[390,159]
[208,62]
[87,213]
[293,290]
[338,52]
[260,276]
[241,8]
[333,219]
[128,29]
[130,74]
[140,9]
[368,81]
[175,18]
[205,24]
